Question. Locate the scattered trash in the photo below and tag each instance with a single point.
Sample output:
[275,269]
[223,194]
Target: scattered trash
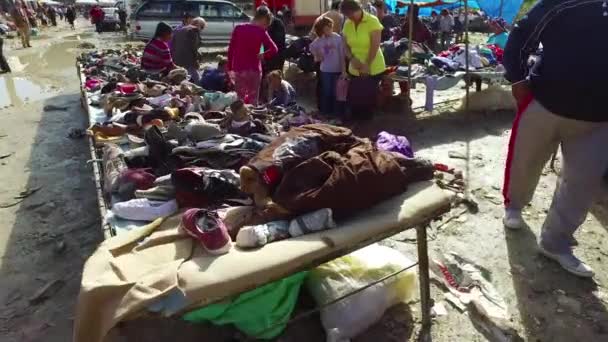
[6,155]
[453,217]
[47,291]
[462,219]
[457,155]
[50,108]
[351,273]
[468,282]
[456,303]
[439,310]
[493,199]
[76,133]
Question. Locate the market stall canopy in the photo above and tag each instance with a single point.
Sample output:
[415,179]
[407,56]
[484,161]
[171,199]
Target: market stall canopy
[507,9]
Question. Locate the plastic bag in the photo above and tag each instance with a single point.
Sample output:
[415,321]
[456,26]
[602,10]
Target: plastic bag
[355,314]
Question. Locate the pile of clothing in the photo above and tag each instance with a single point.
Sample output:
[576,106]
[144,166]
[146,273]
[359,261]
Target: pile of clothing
[481,56]
[235,173]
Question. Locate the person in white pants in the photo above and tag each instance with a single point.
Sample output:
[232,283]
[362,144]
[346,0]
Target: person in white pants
[558,104]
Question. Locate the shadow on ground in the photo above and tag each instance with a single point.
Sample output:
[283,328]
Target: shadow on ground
[55,228]
[553,305]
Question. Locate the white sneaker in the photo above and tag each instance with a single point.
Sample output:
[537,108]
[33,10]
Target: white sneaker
[569,262]
[513,219]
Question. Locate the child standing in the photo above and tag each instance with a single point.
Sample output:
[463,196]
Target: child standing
[281,92]
[328,49]
[244,56]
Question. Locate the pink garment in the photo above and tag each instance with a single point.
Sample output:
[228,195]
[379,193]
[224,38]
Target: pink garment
[245,44]
[247,84]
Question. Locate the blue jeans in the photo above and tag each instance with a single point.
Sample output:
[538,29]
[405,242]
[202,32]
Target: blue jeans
[329,105]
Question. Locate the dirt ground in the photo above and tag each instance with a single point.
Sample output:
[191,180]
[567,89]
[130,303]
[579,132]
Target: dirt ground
[46,236]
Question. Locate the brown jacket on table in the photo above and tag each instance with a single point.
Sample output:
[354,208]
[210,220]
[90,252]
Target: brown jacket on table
[184,46]
[340,171]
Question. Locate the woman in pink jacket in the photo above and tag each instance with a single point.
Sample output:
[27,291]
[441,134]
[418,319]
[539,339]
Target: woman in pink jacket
[245,56]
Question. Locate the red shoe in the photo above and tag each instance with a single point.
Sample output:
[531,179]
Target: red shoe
[207,227]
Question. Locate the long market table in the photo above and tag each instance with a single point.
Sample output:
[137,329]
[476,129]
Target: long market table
[413,209]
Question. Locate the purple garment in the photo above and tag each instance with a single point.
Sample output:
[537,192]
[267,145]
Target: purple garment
[394,143]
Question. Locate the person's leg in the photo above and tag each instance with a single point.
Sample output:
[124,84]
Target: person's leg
[333,84]
[326,100]
[27,36]
[585,162]
[533,138]
[318,89]
[240,85]
[21,33]
[4,67]
[255,81]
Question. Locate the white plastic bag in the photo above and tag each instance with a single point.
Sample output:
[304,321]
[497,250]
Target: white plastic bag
[355,314]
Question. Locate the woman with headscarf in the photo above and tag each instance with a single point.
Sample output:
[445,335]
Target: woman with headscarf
[362,37]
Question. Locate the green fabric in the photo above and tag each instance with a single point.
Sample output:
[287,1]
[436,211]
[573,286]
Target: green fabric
[255,311]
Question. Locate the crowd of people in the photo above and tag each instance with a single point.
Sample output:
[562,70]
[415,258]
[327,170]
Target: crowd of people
[25,19]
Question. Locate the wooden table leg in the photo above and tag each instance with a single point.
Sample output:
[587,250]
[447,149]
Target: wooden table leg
[425,286]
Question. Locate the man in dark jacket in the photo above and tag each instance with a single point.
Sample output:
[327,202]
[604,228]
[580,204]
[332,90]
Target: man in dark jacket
[276,31]
[184,47]
[561,100]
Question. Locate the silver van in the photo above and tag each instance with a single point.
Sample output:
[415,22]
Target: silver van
[221,16]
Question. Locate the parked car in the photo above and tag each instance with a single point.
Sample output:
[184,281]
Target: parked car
[111,22]
[221,16]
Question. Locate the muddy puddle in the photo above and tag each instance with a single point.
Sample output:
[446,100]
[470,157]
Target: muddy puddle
[40,73]
[58,59]
[18,91]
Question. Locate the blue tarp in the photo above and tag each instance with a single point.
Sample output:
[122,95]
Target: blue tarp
[506,9]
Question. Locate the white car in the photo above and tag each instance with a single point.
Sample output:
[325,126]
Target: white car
[221,17]
[111,21]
